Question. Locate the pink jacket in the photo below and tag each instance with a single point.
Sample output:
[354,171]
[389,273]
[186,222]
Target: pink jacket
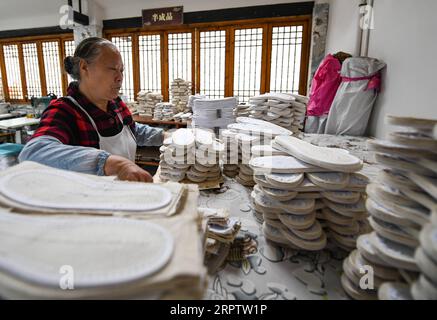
[324,86]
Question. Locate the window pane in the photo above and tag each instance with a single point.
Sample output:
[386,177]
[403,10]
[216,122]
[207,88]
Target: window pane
[13,71]
[124,44]
[150,62]
[69,47]
[247,63]
[31,66]
[286,59]
[2,93]
[179,56]
[52,67]
[212,63]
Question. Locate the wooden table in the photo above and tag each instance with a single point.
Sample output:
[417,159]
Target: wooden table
[150,121]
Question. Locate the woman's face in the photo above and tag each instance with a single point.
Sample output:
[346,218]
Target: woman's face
[104,76]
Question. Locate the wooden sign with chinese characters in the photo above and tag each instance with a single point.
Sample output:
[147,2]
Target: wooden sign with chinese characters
[163,16]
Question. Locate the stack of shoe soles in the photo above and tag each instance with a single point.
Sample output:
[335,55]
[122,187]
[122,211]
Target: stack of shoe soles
[310,195]
[164,111]
[193,98]
[180,90]
[147,102]
[244,135]
[300,107]
[191,154]
[221,231]
[230,156]
[400,202]
[282,109]
[213,113]
[242,110]
[182,116]
[105,239]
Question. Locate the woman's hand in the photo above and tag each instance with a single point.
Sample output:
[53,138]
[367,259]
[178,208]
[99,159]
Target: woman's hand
[125,169]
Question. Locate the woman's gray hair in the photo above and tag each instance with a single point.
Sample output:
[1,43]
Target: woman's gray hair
[88,49]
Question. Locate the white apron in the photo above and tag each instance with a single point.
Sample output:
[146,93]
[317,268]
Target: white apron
[122,144]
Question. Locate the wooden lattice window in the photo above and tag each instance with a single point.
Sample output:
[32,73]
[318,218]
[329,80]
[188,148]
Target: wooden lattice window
[247,62]
[150,62]
[179,56]
[12,65]
[32,72]
[124,45]
[212,63]
[286,58]
[69,47]
[52,67]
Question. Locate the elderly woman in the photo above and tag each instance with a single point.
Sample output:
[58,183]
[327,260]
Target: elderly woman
[91,130]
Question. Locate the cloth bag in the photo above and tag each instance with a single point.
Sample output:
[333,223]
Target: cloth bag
[324,86]
[353,103]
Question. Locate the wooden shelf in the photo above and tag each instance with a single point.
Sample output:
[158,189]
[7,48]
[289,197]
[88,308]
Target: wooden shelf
[149,120]
[148,163]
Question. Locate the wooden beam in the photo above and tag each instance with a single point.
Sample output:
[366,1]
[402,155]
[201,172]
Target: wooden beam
[197,61]
[193,62]
[164,66]
[36,38]
[236,23]
[229,62]
[305,58]
[64,78]
[264,59]
[22,72]
[4,74]
[42,69]
[136,64]
[268,58]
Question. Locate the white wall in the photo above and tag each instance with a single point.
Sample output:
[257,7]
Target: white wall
[22,14]
[343,27]
[405,38]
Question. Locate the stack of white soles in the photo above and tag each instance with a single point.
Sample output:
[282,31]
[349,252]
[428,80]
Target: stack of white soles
[180,91]
[213,113]
[240,139]
[285,110]
[310,195]
[402,249]
[147,102]
[191,154]
[164,111]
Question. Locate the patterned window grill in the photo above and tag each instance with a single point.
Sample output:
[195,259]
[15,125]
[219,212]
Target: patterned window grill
[150,62]
[13,75]
[179,56]
[247,63]
[69,48]
[124,45]
[286,59]
[31,66]
[212,63]
[52,67]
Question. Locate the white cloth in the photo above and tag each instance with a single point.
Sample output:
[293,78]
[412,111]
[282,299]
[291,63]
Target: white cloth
[122,144]
[353,103]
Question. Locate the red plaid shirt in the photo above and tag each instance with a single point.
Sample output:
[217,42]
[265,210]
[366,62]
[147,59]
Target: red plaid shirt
[66,122]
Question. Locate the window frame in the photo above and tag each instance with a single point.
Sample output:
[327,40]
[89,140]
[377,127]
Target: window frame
[267,24]
[38,40]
